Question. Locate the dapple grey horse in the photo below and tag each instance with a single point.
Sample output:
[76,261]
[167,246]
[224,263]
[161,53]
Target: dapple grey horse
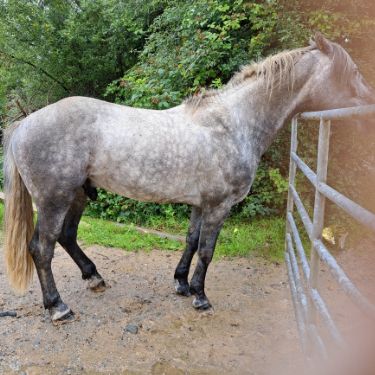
[204,152]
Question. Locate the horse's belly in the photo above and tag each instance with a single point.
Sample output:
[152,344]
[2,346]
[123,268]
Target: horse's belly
[150,188]
[152,164]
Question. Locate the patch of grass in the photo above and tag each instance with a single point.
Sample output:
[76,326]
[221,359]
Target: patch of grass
[110,234]
[260,237]
[171,225]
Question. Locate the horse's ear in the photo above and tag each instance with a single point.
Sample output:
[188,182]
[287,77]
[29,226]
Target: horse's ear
[322,43]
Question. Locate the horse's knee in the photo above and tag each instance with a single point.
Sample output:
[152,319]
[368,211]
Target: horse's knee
[206,255]
[192,240]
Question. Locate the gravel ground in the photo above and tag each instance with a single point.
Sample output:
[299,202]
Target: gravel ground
[139,326]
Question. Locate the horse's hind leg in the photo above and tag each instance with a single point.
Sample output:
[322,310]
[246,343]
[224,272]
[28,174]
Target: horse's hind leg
[68,240]
[48,228]
[192,239]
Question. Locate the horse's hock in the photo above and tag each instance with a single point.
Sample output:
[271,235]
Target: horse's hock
[322,330]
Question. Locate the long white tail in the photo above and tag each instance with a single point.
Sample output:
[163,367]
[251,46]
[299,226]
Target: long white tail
[18,220]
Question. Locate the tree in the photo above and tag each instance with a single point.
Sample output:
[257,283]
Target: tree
[60,48]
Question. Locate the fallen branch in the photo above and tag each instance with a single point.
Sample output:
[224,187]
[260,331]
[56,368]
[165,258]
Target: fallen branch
[168,236]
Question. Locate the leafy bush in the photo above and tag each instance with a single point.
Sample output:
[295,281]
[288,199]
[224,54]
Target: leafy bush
[267,196]
[195,45]
[123,210]
[153,54]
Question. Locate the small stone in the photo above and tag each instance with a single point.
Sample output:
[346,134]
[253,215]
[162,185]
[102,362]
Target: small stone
[15,366]
[12,314]
[132,328]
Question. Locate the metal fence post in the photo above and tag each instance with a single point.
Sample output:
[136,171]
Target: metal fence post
[319,206]
[292,165]
[295,283]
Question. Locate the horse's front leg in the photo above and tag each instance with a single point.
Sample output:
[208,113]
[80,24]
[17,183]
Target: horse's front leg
[212,222]
[192,239]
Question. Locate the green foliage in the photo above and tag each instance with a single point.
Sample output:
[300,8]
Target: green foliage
[155,53]
[61,48]
[193,46]
[267,196]
[124,210]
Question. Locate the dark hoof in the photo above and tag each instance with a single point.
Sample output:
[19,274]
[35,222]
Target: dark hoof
[182,288]
[70,318]
[201,304]
[60,312]
[96,284]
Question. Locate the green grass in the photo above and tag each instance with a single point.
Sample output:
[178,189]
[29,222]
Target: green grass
[259,237]
[110,234]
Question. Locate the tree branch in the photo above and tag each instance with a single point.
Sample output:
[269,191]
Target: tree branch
[77,3]
[37,68]
[21,108]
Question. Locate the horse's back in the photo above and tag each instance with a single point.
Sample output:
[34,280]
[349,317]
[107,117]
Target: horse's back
[150,155]
[144,154]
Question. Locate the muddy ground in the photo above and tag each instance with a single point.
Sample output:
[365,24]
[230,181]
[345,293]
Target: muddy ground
[251,331]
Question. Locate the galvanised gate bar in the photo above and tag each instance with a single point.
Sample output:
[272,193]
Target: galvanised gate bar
[309,305]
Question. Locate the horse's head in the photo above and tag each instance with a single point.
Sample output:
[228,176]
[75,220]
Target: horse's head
[336,81]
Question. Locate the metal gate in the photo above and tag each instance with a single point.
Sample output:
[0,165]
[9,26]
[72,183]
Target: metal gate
[309,305]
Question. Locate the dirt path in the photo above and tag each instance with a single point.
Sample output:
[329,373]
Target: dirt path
[252,330]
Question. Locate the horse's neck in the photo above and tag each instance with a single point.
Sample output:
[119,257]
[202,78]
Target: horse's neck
[263,114]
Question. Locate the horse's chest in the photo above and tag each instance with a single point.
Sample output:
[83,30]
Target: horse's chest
[243,175]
